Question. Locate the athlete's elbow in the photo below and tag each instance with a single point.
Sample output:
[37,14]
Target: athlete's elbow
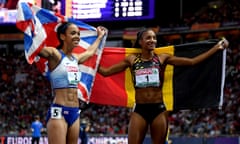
[104,74]
[101,71]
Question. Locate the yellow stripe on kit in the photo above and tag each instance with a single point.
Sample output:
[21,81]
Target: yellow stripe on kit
[168,78]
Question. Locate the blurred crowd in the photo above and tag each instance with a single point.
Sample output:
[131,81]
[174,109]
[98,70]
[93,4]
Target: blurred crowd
[24,92]
[223,11]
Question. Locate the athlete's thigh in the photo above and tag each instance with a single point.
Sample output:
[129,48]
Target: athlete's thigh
[159,128]
[73,132]
[137,129]
[56,131]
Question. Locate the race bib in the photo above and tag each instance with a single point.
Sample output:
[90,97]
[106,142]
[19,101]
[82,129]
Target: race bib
[73,75]
[56,112]
[147,77]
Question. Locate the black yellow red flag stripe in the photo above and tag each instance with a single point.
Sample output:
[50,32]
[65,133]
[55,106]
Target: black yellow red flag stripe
[199,86]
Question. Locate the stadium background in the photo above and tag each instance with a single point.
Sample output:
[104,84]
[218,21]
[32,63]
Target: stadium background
[24,92]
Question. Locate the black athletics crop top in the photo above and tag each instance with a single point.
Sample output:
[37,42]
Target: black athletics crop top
[148,73]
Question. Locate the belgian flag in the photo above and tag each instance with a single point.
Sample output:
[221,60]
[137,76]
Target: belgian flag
[185,87]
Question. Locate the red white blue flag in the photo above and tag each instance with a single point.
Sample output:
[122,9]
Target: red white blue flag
[39,27]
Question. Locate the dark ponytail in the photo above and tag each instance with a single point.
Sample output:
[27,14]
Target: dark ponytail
[139,36]
[62,30]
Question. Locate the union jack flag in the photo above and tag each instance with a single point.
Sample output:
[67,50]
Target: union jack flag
[39,27]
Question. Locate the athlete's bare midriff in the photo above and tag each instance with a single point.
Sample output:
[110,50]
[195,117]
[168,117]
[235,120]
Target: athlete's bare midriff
[148,95]
[66,97]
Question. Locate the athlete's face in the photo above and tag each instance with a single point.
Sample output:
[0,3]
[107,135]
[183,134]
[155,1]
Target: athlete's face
[72,36]
[148,40]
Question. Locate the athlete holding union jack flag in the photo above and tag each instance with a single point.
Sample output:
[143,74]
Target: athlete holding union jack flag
[63,121]
[64,77]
